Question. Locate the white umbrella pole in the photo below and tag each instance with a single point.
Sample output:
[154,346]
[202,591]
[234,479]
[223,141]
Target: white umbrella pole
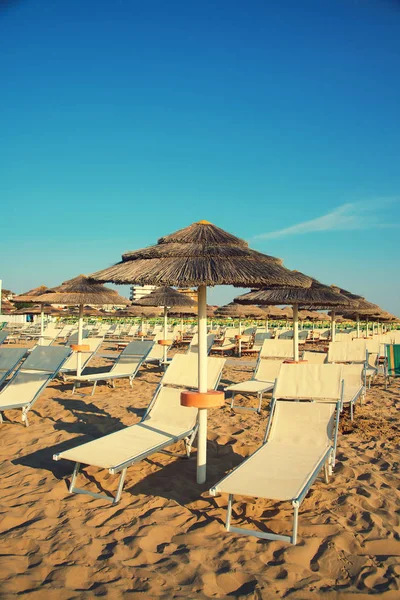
[165,334]
[202,358]
[79,355]
[358,326]
[266,325]
[41,324]
[239,340]
[366,330]
[295,332]
[333,326]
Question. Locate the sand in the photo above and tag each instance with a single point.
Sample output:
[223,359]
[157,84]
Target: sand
[166,539]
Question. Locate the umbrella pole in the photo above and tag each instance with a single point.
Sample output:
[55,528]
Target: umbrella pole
[202,358]
[78,354]
[333,326]
[41,324]
[266,325]
[165,334]
[358,326]
[295,332]
[239,340]
[366,330]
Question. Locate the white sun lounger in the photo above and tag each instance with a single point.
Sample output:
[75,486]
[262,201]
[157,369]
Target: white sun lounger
[71,364]
[277,349]
[36,372]
[126,366]
[347,352]
[194,343]
[3,335]
[354,385]
[299,442]
[315,358]
[165,423]
[263,380]
[9,359]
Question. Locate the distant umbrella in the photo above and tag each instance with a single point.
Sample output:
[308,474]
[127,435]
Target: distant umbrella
[80,291]
[32,296]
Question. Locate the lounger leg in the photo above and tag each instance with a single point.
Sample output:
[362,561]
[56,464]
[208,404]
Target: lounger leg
[94,388]
[233,399]
[25,417]
[295,521]
[351,411]
[326,471]
[120,486]
[74,476]
[229,513]
[259,403]
[1,417]
[73,390]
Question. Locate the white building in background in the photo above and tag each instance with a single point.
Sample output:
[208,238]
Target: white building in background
[139,291]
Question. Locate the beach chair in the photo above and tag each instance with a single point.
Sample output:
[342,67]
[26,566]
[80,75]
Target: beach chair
[194,344]
[300,441]
[9,359]
[316,358]
[263,381]
[354,385]
[156,354]
[259,338]
[277,348]
[347,352]
[33,376]
[126,366]
[227,346]
[165,423]
[392,362]
[3,335]
[70,365]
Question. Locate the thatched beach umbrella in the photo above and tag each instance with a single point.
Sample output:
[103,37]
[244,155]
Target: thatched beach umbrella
[317,295]
[80,291]
[359,306]
[200,255]
[166,297]
[32,296]
[232,311]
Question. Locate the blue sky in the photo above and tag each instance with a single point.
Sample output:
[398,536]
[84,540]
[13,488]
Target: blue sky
[278,121]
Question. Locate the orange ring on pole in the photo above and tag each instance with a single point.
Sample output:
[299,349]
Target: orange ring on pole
[210,399]
[80,347]
[238,337]
[164,342]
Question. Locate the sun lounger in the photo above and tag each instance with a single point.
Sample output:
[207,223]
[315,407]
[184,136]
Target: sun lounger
[194,344]
[347,352]
[9,359]
[263,381]
[70,365]
[300,441]
[165,423]
[316,358]
[354,385]
[277,349]
[226,346]
[35,373]
[392,362]
[126,366]
[3,335]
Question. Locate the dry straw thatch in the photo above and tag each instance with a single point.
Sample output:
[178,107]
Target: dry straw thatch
[34,310]
[230,311]
[166,296]
[32,295]
[83,290]
[201,254]
[317,294]
[144,312]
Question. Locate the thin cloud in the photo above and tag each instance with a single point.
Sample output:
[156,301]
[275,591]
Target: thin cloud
[347,217]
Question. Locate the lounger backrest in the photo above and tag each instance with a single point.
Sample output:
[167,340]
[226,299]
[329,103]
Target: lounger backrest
[167,408]
[131,358]
[194,347]
[352,375]
[267,369]
[46,359]
[10,357]
[314,358]
[373,345]
[277,349]
[302,424]
[393,359]
[260,337]
[286,335]
[183,371]
[138,348]
[354,351]
[307,381]
[71,363]
[73,338]
[3,335]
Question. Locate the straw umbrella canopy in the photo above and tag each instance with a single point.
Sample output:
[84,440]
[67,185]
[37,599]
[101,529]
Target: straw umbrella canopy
[166,297]
[317,295]
[32,296]
[232,311]
[200,255]
[80,291]
[6,307]
[36,309]
[360,307]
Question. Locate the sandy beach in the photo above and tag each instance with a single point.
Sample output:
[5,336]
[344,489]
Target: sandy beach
[166,537]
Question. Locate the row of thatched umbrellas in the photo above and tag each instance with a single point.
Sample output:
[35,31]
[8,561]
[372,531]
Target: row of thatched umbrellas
[203,255]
